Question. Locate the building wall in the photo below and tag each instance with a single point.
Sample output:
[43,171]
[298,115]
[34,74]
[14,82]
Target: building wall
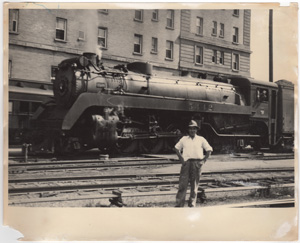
[33,49]
[190,39]
[121,28]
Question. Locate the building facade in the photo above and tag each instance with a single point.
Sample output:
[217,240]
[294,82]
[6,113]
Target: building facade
[215,42]
[204,43]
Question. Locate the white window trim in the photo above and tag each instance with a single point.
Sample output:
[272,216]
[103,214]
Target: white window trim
[142,15]
[154,52]
[201,26]
[65,30]
[141,44]
[232,62]
[215,56]
[156,20]
[214,33]
[237,36]
[17,20]
[223,59]
[223,30]
[238,13]
[172,17]
[172,51]
[195,52]
[105,37]
[79,37]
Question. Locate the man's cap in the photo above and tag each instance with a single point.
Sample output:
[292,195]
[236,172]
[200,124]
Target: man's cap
[193,124]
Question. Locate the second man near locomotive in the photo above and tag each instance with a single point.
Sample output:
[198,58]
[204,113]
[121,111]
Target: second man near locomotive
[189,150]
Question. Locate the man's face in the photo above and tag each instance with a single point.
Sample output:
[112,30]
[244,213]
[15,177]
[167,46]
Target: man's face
[192,131]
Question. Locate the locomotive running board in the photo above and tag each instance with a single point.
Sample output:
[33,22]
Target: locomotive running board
[137,101]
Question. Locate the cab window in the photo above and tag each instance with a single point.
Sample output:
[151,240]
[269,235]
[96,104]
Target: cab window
[262,95]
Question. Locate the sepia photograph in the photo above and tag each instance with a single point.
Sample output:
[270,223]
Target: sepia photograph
[126,107]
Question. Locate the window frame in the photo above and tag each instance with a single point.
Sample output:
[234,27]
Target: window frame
[140,43]
[142,15]
[236,12]
[101,37]
[214,31]
[104,11]
[199,27]
[201,56]
[235,35]
[171,49]
[222,30]
[172,18]
[79,38]
[154,10]
[238,62]
[222,57]
[155,39]
[14,12]
[214,57]
[65,29]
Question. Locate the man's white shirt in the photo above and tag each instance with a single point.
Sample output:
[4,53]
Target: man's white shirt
[193,148]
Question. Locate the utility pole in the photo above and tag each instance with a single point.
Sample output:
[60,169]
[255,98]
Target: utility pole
[271,45]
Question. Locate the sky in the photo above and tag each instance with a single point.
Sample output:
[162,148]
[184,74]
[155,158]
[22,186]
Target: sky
[284,44]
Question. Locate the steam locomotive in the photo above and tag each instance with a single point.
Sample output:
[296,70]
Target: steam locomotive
[127,109]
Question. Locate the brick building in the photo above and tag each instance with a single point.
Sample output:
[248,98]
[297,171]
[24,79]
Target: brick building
[215,42]
[204,42]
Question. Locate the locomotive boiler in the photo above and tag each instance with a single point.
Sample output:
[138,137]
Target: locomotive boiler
[126,108]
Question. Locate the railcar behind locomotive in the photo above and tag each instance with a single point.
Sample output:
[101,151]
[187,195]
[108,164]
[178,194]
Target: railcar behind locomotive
[129,109]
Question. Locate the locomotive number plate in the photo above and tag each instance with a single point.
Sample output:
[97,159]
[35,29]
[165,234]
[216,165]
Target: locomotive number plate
[200,107]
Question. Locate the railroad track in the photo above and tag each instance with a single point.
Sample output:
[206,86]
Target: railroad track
[212,179]
[19,167]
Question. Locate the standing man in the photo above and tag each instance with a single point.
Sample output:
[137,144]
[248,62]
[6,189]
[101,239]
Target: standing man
[189,150]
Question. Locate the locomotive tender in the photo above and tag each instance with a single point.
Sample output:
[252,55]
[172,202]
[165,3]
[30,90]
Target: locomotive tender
[129,109]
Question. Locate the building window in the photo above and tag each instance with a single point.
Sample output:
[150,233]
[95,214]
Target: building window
[222,30]
[214,56]
[54,70]
[13,20]
[170,19]
[215,28]
[138,15]
[199,26]
[61,29]
[221,60]
[102,37]
[236,13]
[105,11]
[9,68]
[235,37]
[155,15]
[199,55]
[169,50]
[10,107]
[235,62]
[154,45]
[81,35]
[138,40]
